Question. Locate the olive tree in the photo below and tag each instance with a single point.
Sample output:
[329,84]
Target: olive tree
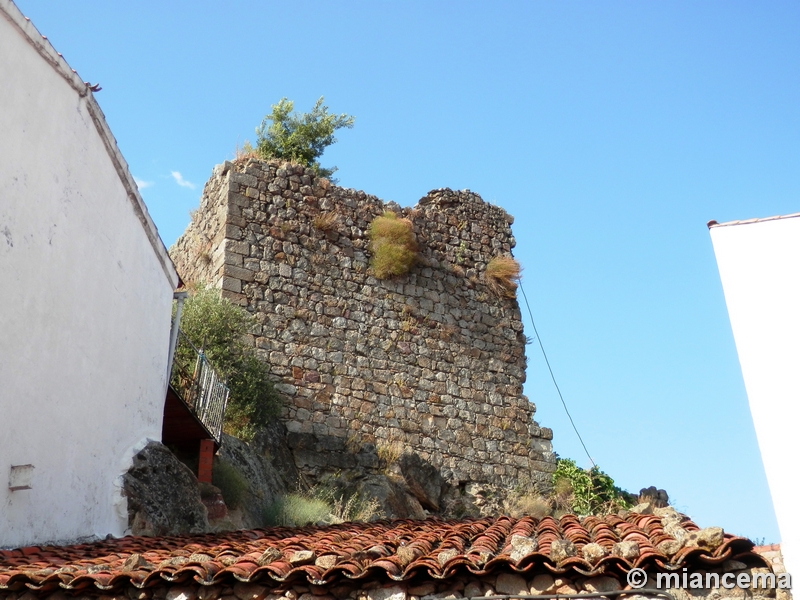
[300,138]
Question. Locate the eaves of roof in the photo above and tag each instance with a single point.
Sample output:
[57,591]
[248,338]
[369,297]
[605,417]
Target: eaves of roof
[388,551]
[712,223]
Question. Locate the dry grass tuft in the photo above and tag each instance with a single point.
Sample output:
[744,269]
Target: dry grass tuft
[501,275]
[532,505]
[245,152]
[326,221]
[389,454]
[393,247]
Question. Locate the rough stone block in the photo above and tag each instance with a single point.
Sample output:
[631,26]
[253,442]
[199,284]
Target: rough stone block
[237,272]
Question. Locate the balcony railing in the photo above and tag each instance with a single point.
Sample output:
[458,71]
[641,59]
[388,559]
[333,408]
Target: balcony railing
[198,385]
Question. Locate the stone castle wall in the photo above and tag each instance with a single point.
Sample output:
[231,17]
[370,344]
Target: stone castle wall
[431,362]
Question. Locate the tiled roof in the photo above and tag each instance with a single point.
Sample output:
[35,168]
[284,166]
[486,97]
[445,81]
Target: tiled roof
[396,550]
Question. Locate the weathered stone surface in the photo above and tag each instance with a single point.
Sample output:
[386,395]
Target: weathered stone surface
[709,538]
[302,557]
[265,483]
[643,508]
[593,552]
[387,593]
[326,561]
[562,549]
[424,589]
[393,497]
[521,547]
[473,589]
[671,521]
[654,496]
[627,550]
[508,583]
[135,562]
[669,547]
[602,584]
[423,479]
[163,494]
[542,584]
[249,591]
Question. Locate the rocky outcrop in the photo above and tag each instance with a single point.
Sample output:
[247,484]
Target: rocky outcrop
[265,482]
[163,494]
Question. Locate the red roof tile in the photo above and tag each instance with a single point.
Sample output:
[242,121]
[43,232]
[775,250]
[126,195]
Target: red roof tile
[396,550]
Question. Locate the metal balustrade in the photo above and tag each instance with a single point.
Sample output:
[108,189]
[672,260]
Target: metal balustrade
[198,385]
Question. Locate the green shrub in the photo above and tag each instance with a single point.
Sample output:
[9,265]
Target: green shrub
[231,483]
[392,244]
[300,138]
[295,510]
[327,504]
[586,492]
[219,327]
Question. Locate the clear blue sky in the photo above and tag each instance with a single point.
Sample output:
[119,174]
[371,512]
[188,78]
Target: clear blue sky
[612,131]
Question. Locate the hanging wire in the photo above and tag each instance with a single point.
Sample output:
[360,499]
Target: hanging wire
[553,377]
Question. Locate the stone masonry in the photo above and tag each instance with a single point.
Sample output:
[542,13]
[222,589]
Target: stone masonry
[431,362]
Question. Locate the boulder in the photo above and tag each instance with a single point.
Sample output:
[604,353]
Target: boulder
[163,494]
[652,495]
[265,484]
[423,479]
[393,496]
[271,443]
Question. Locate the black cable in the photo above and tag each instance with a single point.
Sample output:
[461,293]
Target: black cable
[549,368]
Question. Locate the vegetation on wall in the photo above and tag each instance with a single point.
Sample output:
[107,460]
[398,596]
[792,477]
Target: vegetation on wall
[231,483]
[575,490]
[300,138]
[586,492]
[323,505]
[502,274]
[392,245]
[219,327]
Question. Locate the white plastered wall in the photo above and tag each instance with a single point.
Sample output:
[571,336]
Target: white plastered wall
[759,264]
[85,300]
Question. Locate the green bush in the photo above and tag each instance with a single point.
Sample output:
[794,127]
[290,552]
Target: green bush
[296,510]
[300,138]
[219,327]
[392,245]
[327,504]
[231,483]
[586,492]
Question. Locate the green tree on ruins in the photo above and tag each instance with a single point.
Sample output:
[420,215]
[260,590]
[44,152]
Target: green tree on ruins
[300,138]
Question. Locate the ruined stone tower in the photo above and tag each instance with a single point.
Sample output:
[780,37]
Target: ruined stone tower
[431,362]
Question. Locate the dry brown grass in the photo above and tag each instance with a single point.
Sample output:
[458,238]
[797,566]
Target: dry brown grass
[533,505]
[245,152]
[326,221]
[393,247]
[389,454]
[502,274]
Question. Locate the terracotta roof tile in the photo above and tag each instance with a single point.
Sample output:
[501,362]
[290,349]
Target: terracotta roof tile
[396,550]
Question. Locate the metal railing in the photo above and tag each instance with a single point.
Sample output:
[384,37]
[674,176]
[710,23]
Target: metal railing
[198,385]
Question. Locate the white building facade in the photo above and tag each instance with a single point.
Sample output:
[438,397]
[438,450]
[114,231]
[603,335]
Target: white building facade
[759,264]
[86,290]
